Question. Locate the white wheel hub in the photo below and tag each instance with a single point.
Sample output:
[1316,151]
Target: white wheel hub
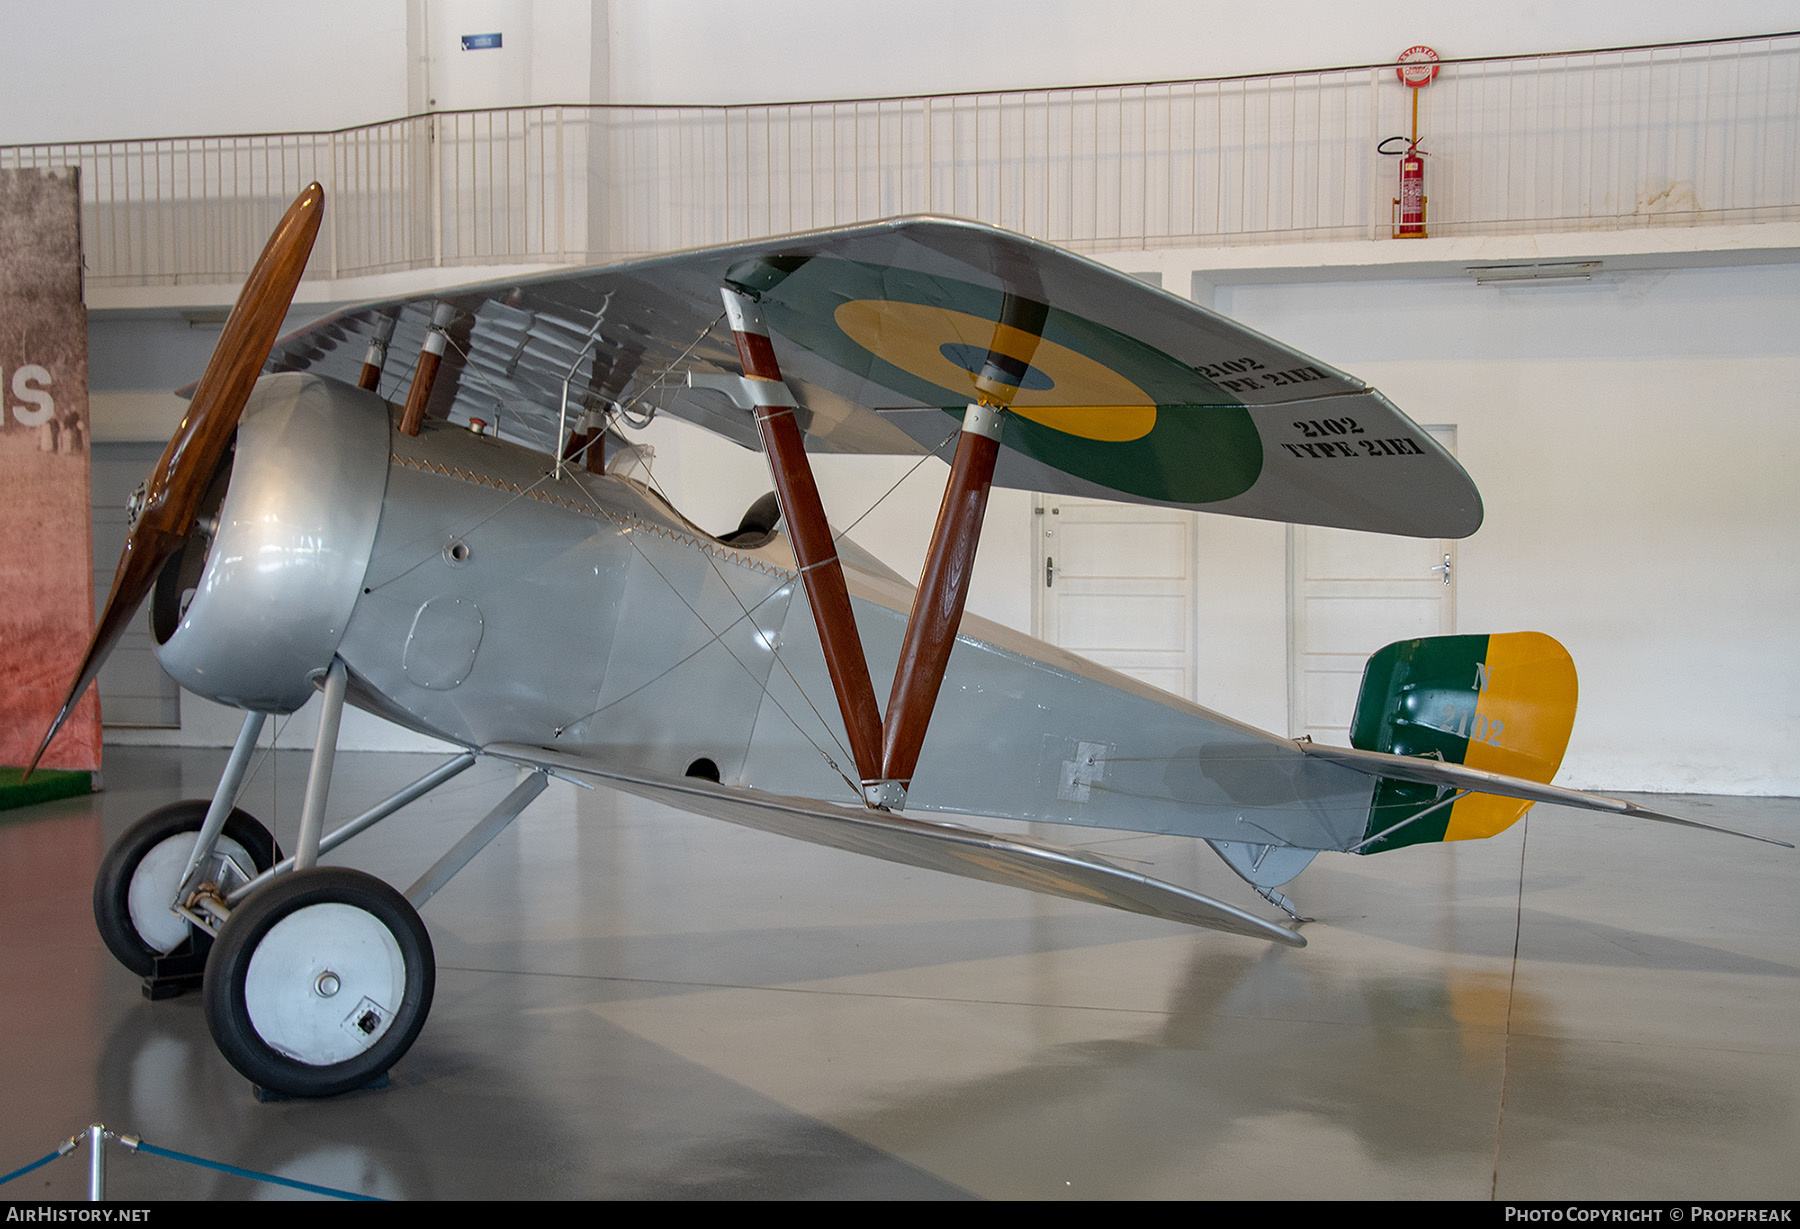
[151,896]
[324,983]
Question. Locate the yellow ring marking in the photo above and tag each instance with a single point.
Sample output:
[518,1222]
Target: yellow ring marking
[1089,399]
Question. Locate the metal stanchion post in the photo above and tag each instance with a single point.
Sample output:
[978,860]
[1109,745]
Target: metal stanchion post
[96,1138]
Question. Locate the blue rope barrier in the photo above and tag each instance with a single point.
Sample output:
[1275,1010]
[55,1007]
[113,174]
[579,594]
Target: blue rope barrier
[20,1173]
[172,1155]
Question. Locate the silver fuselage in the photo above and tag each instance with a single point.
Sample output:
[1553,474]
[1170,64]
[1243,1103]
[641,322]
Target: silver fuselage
[499,603]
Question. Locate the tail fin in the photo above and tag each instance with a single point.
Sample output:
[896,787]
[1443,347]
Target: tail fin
[1503,704]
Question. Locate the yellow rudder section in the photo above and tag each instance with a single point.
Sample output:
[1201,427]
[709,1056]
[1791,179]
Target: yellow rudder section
[1524,711]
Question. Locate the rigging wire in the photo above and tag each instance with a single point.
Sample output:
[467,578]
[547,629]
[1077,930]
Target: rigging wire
[670,669]
[954,432]
[855,789]
[656,485]
[679,358]
[779,660]
[522,493]
[845,751]
[266,753]
[621,412]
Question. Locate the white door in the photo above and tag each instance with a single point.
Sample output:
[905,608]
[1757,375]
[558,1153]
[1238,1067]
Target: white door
[1115,583]
[1349,594]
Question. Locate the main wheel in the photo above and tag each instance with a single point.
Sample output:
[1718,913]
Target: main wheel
[140,873]
[319,982]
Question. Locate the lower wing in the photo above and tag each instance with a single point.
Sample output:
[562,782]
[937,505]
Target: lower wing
[1017,861]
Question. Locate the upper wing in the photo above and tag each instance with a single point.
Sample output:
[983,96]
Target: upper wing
[1016,861]
[1122,391]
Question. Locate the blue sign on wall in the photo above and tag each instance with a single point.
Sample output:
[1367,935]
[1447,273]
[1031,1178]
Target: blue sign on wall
[480,42]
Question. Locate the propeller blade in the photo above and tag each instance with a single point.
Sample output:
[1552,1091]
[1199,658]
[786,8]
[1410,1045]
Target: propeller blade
[171,495]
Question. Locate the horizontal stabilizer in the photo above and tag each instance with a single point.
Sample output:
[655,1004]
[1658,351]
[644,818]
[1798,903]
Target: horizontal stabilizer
[1017,861]
[1475,780]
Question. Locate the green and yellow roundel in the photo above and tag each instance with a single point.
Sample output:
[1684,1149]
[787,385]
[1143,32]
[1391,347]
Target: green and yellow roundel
[1085,399]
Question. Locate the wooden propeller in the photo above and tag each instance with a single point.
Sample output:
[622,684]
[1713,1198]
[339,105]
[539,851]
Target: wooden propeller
[171,496]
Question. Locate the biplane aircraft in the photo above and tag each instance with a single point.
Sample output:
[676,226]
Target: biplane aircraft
[479,563]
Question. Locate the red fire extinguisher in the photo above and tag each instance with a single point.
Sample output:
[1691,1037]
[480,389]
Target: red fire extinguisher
[1417,68]
[1409,206]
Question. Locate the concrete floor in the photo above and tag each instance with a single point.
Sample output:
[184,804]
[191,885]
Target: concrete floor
[635,1003]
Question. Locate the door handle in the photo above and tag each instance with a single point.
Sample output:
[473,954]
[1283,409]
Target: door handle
[1049,571]
[1443,567]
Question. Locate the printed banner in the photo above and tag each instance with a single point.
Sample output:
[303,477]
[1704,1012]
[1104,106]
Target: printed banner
[46,539]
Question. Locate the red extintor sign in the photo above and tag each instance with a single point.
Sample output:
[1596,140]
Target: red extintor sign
[1418,66]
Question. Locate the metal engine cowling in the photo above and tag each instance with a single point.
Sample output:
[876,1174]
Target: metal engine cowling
[251,610]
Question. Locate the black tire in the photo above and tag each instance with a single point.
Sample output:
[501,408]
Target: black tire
[124,864]
[266,997]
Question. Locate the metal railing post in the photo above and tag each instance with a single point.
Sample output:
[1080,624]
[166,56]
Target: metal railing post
[432,134]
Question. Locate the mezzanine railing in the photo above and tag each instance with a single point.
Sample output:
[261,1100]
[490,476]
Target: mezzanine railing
[1674,135]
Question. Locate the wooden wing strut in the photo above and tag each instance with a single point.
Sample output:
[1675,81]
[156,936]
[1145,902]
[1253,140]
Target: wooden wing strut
[886,750]
[437,339]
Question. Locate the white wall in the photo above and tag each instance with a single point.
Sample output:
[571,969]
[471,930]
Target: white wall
[1635,441]
[545,54]
[99,71]
[702,51]
[120,70]
[112,69]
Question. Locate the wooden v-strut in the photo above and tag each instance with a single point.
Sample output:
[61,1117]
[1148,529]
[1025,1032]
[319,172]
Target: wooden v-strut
[886,750]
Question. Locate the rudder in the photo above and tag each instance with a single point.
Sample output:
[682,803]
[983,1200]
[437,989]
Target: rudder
[1503,703]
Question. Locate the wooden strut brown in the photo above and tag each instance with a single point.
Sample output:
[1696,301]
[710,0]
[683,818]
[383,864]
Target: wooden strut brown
[937,606]
[820,571]
[886,750]
[826,591]
[425,374]
[376,358]
[587,443]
